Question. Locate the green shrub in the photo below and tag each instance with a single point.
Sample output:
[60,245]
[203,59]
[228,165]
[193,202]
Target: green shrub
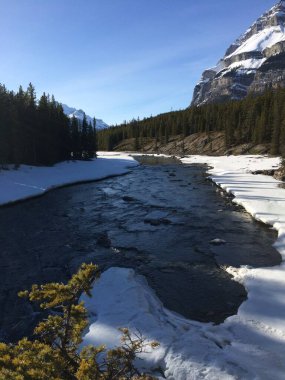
[55,353]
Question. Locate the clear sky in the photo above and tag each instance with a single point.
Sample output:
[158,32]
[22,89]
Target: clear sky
[118,59]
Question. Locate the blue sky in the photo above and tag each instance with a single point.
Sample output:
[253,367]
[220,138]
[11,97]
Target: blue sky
[118,59]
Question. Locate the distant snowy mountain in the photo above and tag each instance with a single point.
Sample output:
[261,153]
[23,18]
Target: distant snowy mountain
[79,114]
[254,62]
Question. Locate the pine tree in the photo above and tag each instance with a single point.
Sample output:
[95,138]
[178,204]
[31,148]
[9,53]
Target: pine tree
[276,129]
[55,353]
[84,138]
[95,142]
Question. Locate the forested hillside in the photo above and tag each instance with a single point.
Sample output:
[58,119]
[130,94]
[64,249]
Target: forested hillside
[38,132]
[255,119]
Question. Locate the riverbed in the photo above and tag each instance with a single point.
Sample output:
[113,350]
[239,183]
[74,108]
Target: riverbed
[160,219]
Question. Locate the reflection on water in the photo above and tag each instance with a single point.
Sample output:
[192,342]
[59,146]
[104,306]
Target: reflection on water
[157,160]
[160,219]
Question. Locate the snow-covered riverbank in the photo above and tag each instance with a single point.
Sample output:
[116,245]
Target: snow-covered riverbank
[250,345]
[31,181]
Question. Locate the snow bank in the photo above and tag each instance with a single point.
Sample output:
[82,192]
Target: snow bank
[250,345]
[30,181]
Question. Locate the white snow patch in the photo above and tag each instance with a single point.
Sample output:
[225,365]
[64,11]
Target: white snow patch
[261,40]
[247,64]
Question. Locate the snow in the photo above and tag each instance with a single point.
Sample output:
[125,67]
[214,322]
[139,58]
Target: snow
[247,64]
[249,345]
[79,114]
[261,40]
[30,181]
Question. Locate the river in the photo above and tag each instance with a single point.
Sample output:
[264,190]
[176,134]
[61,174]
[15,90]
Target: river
[160,219]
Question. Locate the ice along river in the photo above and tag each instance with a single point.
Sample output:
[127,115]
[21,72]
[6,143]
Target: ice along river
[159,219]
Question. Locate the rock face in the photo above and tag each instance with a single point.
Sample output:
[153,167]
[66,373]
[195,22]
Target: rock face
[254,62]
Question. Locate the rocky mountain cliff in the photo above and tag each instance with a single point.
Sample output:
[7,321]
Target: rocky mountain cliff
[79,114]
[254,62]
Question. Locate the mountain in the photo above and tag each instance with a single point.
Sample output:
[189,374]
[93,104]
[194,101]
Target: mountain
[79,114]
[253,63]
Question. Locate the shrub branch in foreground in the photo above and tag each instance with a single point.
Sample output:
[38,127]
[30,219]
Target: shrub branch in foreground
[55,353]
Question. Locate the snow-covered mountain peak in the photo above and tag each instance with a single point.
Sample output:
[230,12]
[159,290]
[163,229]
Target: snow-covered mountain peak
[79,114]
[265,32]
[253,55]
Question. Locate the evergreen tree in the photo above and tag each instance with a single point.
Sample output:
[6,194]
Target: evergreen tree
[38,132]
[276,129]
[55,354]
[84,138]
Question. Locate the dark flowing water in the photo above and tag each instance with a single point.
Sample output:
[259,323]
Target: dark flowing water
[159,219]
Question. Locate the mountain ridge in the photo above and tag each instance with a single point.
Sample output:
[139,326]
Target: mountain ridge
[253,62]
[79,114]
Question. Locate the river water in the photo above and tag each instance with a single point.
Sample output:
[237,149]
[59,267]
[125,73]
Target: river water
[159,219]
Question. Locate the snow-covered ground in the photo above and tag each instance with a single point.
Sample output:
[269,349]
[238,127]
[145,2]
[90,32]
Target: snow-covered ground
[250,345]
[31,181]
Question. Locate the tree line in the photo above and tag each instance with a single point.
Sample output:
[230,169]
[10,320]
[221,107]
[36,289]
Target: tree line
[37,132]
[255,119]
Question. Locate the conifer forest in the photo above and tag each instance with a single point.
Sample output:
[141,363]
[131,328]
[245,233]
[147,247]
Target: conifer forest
[37,132]
[255,119]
